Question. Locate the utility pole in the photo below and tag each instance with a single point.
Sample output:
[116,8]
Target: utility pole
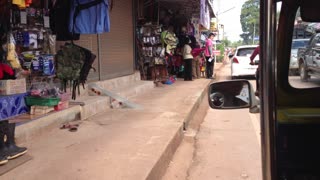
[254,32]
[217,17]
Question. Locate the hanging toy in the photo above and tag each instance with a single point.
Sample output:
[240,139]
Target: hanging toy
[12,56]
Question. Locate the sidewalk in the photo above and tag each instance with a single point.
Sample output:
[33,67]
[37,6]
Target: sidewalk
[120,143]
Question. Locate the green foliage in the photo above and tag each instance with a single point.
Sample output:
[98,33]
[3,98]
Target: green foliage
[226,42]
[220,47]
[237,43]
[249,20]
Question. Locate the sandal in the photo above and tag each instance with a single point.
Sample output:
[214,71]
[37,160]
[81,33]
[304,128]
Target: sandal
[65,126]
[71,127]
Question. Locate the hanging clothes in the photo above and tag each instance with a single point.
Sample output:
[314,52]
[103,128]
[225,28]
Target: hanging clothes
[28,2]
[59,23]
[204,14]
[92,17]
[19,3]
[4,26]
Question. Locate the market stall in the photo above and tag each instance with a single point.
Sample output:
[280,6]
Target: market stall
[162,29]
[35,73]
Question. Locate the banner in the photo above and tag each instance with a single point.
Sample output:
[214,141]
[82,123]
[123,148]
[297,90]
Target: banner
[204,14]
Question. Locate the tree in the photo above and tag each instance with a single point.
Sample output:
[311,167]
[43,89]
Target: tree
[236,44]
[226,42]
[249,20]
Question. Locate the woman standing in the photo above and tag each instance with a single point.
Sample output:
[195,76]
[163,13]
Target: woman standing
[209,56]
[187,57]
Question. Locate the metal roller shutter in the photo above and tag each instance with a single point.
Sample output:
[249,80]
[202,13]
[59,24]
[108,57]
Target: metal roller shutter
[91,42]
[116,46]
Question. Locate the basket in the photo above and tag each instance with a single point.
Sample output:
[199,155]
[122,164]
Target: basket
[31,101]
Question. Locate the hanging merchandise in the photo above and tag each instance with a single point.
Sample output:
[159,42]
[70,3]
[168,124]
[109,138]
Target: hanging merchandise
[204,14]
[170,40]
[73,65]
[89,17]
[59,23]
[12,56]
[6,72]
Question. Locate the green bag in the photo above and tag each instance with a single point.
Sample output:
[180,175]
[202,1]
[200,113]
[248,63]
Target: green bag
[69,62]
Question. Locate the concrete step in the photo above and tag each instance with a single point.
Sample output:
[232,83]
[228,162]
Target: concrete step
[114,83]
[28,127]
[94,104]
[84,107]
[129,89]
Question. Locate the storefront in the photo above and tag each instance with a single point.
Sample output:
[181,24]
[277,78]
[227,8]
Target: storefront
[115,49]
[38,47]
[158,53]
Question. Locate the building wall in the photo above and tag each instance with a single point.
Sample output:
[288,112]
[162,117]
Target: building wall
[116,47]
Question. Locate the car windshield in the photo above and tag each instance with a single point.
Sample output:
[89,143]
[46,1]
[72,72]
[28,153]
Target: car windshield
[245,51]
[299,44]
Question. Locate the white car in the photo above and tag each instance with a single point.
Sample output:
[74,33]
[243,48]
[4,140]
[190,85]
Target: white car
[240,62]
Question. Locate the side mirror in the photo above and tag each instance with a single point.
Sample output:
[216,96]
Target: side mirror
[230,56]
[234,94]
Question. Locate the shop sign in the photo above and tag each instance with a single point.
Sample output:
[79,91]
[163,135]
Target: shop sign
[213,26]
[217,52]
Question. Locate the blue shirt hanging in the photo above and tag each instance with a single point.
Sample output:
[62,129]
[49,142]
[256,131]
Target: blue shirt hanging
[92,20]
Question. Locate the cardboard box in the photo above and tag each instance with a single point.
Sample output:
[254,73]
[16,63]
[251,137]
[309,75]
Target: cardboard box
[9,87]
[40,110]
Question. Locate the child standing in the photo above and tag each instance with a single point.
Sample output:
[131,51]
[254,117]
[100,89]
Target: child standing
[202,68]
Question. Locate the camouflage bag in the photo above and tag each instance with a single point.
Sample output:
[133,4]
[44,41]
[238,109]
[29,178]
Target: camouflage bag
[69,62]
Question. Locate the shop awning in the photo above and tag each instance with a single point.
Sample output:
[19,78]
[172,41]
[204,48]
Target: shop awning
[210,2]
[181,3]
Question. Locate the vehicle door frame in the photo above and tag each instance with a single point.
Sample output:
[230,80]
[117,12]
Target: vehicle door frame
[275,90]
[267,88]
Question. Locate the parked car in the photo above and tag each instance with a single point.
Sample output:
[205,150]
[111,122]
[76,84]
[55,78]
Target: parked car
[240,62]
[309,59]
[294,65]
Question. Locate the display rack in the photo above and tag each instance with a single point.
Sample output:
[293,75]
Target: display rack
[152,63]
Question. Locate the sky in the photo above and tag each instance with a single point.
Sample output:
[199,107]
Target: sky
[231,18]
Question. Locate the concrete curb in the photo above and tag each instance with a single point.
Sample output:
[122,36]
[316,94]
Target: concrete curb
[159,169]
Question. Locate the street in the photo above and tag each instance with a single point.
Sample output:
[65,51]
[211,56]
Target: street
[297,83]
[227,146]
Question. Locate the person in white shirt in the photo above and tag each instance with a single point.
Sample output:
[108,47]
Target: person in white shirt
[187,57]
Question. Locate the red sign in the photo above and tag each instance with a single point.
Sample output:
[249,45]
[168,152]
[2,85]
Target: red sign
[216,52]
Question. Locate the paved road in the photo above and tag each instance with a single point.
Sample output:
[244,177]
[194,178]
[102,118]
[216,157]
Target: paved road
[297,83]
[226,147]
